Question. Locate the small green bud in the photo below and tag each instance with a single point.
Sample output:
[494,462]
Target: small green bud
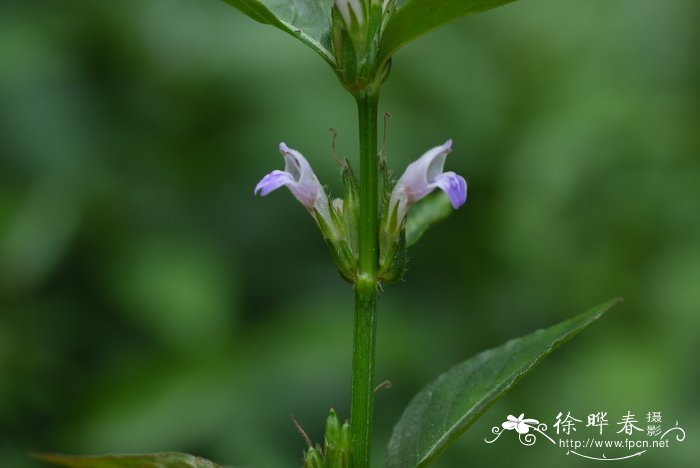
[331,440]
[351,208]
[336,450]
[345,447]
[347,36]
[313,458]
[332,433]
[355,34]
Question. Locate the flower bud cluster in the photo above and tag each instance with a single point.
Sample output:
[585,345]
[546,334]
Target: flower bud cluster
[356,27]
[335,452]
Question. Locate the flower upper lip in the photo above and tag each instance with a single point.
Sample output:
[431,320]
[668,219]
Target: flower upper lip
[298,177]
[425,175]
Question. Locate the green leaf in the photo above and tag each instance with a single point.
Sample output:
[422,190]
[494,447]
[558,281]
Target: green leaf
[417,17]
[444,409]
[307,20]
[155,460]
[425,213]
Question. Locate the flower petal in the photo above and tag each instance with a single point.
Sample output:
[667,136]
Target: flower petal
[436,160]
[294,162]
[417,179]
[273,181]
[522,428]
[306,187]
[509,425]
[455,187]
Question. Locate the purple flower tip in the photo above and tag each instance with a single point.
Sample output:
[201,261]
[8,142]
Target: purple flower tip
[454,186]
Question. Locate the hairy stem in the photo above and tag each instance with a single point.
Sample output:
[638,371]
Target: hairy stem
[362,397]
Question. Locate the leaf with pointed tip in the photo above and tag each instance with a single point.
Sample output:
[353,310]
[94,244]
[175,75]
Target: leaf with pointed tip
[416,17]
[424,214]
[155,460]
[307,20]
[444,409]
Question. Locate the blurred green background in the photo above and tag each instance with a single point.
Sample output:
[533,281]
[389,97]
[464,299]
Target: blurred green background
[148,301]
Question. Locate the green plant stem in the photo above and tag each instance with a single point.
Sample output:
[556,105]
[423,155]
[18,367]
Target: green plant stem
[362,393]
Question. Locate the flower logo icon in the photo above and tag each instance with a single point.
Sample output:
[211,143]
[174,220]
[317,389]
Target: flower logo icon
[520,424]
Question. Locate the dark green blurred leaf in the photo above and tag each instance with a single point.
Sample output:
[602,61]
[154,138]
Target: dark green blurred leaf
[424,214]
[417,17]
[39,235]
[156,460]
[444,409]
[307,20]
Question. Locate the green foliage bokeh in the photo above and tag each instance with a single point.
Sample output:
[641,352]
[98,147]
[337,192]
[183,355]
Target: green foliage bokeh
[149,302]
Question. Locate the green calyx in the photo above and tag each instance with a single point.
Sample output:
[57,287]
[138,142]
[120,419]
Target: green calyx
[351,207]
[341,231]
[336,238]
[393,257]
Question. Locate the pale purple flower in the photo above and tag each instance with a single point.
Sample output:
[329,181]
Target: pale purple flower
[521,425]
[300,180]
[425,175]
